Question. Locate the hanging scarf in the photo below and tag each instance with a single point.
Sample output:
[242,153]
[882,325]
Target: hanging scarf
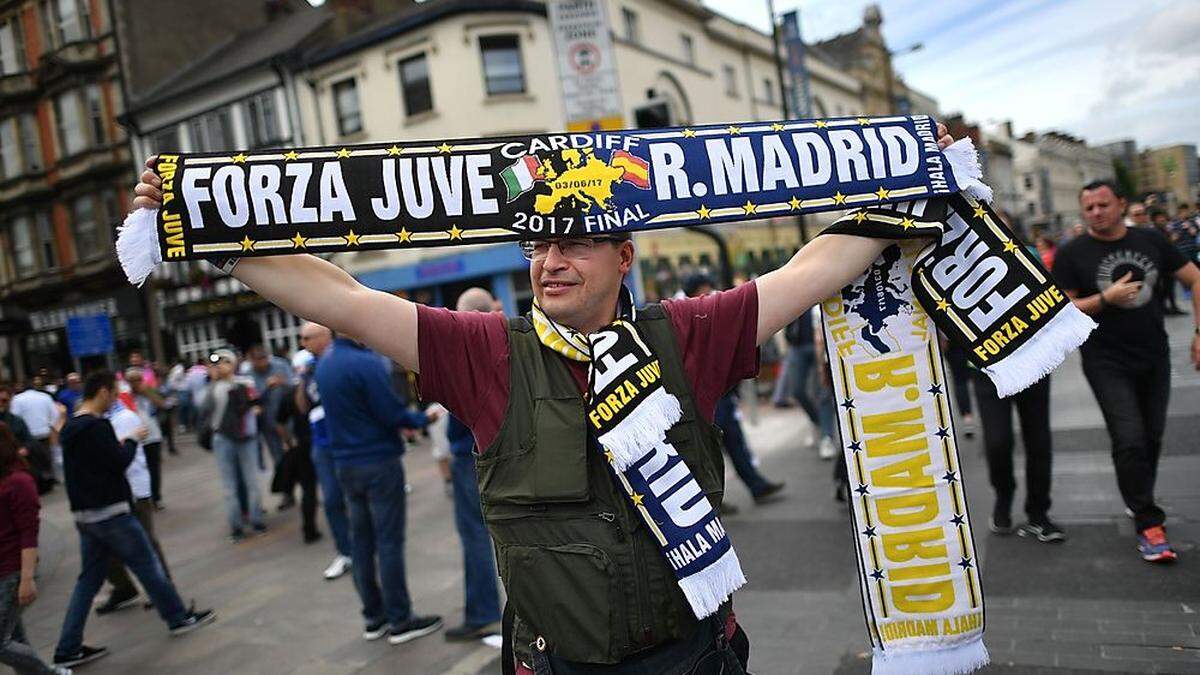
[982,289]
[958,269]
[630,412]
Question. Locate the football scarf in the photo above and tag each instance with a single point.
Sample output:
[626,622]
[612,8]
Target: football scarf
[957,269]
[630,411]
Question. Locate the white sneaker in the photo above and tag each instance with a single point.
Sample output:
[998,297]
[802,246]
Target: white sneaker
[493,641]
[826,450]
[339,566]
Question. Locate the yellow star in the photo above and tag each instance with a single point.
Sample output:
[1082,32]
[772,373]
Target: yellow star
[343,153]
[907,223]
[750,207]
[609,456]
[1009,246]
[404,235]
[864,121]
[455,233]
[637,499]
[777,127]
[703,212]
[247,244]
[881,193]
[689,133]
[942,305]
[298,241]
[860,217]
[352,239]
[733,130]
[821,124]
[445,147]
[795,203]
[839,198]
[291,155]
[979,212]
[239,158]
[393,151]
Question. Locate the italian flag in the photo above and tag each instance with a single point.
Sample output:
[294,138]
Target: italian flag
[521,176]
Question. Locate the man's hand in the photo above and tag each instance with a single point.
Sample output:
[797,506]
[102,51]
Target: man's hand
[149,191]
[944,137]
[1123,292]
[142,433]
[26,591]
[275,381]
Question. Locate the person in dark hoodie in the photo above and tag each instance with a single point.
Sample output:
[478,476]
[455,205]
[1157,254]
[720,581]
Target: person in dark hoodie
[364,417]
[94,464]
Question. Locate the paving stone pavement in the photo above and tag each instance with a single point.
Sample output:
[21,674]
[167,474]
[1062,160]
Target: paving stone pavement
[1089,605]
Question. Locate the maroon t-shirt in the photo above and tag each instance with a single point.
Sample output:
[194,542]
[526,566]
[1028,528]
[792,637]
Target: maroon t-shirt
[18,519]
[464,355]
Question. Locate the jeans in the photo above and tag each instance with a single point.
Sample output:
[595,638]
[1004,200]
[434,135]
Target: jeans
[234,456]
[960,374]
[15,651]
[154,465]
[123,536]
[797,368]
[375,496]
[122,585]
[735,445]
[995,414]
[482,600]
[273,442]
[1133,395]
[334,501]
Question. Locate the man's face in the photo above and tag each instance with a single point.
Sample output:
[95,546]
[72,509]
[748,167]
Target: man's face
[315,339]
[5,399]
[1137,214]
[258,359]
[136,360]
[1102,209]
[576,280]
[74,382]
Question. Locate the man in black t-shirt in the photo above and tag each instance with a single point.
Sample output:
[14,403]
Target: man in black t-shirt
[1112,273]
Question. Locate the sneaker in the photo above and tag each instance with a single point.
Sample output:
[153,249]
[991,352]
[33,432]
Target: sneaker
[493,641]
[415,627]
[84,654]
[312,537]
[193,621]
[470,633]
[259,528]
[1154,547]
[1044,530]
[769,494]
[340,565]
[825,449]
[1001,524]
[237,536]
[968,426]
[59,670]
[376,630]
[1129,513]
[286,503]
[116,603]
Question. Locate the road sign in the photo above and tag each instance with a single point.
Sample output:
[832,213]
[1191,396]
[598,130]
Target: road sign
[587,69]
[89,335]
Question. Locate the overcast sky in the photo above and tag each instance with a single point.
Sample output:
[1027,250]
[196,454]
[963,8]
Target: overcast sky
[1101,69]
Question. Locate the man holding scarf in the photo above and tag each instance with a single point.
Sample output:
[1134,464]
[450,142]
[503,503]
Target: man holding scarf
[596,537]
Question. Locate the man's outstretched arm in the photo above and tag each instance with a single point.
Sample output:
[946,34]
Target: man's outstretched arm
[319,291]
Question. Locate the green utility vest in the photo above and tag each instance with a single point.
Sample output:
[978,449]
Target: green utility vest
[581,570]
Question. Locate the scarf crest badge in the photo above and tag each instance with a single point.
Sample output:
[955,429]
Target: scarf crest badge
[957,269]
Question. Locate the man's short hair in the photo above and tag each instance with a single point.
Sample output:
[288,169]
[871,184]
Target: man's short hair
[97,381]
[1156,212]
[1097,184]
[5,387]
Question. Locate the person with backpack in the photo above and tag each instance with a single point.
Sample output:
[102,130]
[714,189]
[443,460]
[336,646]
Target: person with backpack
[229,416]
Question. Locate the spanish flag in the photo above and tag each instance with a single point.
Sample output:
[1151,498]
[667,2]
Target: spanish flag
[637,170]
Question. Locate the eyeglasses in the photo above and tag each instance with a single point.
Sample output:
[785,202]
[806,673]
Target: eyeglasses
[573,249]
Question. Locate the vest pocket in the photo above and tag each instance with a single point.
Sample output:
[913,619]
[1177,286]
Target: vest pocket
[569,595]
[549,467]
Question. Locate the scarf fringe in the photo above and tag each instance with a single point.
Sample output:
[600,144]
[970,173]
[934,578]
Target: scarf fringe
[1043,352]
[137,245]
[707,589]
[964,164]
[646,425]
[959,659]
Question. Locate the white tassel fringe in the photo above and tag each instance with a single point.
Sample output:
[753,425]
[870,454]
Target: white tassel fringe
[707,589]
[959,659]
[964,164]
[1043,352]
[137,245]
[638,433]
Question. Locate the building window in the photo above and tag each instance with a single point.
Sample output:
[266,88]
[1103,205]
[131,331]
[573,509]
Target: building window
[345,104]
[85,218]
[10,153]
[31,143]
[414,84]
[68,112]
[689,48]
[95,111]
[730,80]
[768,90]
[11,53]
[45,241]
[502,68]
[262,120]
[211,132]
[66,21]
[630,19]
[24,252]
[164,140]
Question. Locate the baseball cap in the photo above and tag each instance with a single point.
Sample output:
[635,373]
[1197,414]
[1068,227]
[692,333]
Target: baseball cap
[222,355]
